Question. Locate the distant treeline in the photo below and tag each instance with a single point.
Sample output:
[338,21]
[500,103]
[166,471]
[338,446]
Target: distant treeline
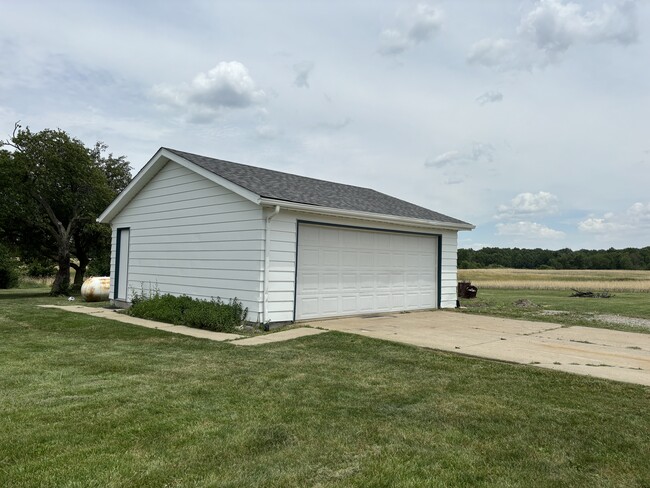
[630,258]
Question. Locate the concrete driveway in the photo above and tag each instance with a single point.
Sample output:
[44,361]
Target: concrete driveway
[610,354]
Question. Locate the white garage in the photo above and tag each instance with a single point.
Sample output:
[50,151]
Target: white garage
[288,247]
[348,271]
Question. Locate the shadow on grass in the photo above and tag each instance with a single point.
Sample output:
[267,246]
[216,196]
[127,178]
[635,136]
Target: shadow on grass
[18,293]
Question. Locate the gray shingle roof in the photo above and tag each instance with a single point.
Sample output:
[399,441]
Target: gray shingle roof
[301,189]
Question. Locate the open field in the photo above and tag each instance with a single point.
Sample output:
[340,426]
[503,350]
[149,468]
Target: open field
[90,402]
[545,295]
[595,280]
[623,311]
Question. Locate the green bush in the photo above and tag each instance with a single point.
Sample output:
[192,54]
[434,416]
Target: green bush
[214,315]
[9,275]
[163,308]
[40,269]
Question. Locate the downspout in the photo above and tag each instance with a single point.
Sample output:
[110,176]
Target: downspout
[267,262]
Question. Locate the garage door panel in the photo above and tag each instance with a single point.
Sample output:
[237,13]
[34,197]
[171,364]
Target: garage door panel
[397,260]
[382,281]
[382,302]
[329,236]
[329,258]
[365,259]
[309,235]
[329,305]
[329,282]
[397,280]
[349,304]
[349,239]
[349,259]
[366,303]
[413,280]
[310,282]
[310,306]
[344,271]
[349,281]
[413,299]
[310,257]
[366,281]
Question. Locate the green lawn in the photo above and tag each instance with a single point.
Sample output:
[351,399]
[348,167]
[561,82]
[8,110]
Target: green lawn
[580,311]
[88,402]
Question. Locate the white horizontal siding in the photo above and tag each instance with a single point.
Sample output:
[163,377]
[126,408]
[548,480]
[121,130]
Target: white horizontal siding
[191,236]
[282,267]
[448,285]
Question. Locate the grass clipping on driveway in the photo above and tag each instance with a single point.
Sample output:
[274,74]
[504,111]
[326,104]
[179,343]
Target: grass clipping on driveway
[86,401]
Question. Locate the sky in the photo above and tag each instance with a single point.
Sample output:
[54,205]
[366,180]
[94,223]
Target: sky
[528,119]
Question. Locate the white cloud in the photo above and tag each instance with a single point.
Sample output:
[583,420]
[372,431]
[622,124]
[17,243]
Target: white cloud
[526,204]
[551,28]
[554,25]
[302,71]
[489,97]
[478,152]
[418,26]
[636,218]
[226,86]
[530,230]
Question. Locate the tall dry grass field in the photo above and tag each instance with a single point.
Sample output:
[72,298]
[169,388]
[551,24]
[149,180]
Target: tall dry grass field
[564,279]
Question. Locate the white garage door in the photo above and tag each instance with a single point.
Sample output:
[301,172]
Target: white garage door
[344,271]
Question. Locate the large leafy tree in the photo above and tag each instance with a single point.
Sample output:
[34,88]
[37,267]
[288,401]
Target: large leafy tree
[55,188]
[92,242]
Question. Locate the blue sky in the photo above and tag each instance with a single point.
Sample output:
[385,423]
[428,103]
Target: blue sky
[528,119]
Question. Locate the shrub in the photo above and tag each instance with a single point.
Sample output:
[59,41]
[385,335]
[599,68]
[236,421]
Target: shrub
[41,269]
[164,308]
[215,315]
[9,276]
[183,310]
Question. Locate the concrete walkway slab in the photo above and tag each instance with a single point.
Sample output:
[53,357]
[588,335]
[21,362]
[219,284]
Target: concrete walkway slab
[285,335]
[610,354]
[151,324]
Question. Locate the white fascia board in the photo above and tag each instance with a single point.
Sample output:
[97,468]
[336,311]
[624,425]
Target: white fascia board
[393,219]
[152,167]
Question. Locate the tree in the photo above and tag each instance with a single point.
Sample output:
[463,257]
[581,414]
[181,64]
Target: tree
[93,241]
[56,188]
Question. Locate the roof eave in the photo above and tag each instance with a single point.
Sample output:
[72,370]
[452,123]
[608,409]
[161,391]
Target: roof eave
[394,219]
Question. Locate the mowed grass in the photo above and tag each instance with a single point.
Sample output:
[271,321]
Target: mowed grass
[595,280]
[90,402]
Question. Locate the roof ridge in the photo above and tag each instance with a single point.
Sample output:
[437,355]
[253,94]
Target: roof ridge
[176,151]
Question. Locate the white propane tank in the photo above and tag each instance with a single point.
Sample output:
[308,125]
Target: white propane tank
[96,289]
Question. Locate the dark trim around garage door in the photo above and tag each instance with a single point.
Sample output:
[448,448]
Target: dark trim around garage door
[372,229]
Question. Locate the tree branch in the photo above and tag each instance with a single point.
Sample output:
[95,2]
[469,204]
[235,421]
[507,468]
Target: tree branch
[58,230]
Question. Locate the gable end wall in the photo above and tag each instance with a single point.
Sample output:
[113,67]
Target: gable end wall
[191,236]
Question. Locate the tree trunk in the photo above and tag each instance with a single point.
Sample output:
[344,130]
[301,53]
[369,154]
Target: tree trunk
[61,285]
[80,271]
